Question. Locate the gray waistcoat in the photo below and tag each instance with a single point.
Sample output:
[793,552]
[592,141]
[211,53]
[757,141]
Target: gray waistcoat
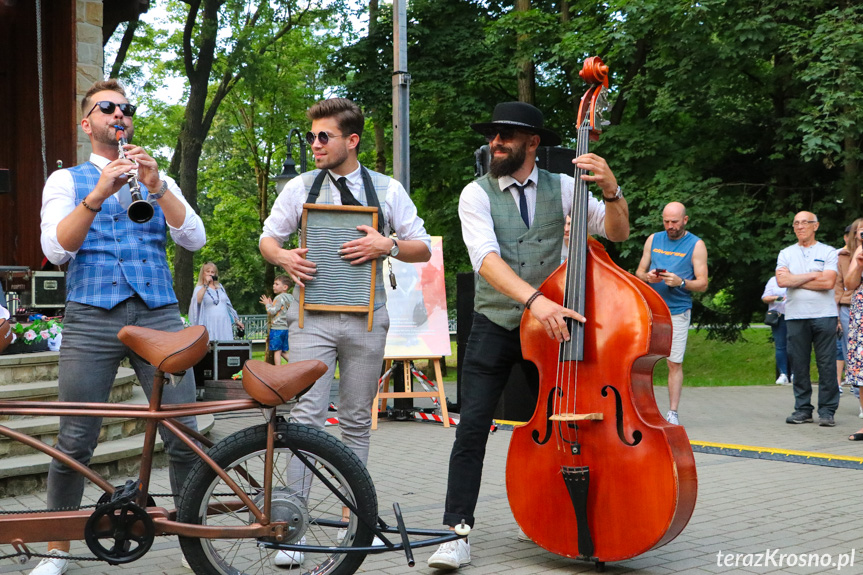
[532,253]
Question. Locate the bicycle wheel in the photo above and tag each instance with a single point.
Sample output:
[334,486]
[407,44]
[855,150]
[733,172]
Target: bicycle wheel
[312,510]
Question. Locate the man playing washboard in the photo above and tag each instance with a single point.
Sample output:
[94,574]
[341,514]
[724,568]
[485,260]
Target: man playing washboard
[337,126]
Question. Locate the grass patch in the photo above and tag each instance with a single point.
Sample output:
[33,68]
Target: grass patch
[748,361]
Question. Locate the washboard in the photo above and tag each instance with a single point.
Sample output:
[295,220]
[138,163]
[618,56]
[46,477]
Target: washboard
[338,286]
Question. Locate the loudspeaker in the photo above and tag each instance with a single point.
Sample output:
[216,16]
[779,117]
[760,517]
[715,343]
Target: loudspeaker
[554,159]
[518,400]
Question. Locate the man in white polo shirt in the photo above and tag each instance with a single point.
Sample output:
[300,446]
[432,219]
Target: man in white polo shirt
[808,269]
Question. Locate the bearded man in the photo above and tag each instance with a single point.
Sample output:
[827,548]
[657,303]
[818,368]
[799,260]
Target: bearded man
[512,221]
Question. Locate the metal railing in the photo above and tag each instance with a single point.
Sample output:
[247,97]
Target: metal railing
[256,326]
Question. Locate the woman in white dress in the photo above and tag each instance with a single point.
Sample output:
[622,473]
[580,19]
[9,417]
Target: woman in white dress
[211,306]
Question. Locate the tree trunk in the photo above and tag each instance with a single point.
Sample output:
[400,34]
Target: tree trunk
[526,68]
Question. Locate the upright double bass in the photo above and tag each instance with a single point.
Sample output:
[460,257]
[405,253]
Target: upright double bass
[597,473]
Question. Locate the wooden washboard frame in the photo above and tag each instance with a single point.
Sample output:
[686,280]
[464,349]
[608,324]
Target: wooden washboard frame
[331,226]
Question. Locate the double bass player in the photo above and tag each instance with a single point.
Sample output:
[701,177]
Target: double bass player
[513,226]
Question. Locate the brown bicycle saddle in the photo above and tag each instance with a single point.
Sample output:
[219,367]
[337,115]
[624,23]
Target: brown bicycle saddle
[274,385]
[169,352]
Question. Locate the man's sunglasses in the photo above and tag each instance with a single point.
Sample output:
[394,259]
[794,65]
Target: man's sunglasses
[322,137]
[107,107]
[504,133]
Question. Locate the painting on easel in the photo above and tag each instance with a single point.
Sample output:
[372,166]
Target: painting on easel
[419,325]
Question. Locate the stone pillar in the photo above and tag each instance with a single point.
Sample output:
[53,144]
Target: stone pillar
[91,58]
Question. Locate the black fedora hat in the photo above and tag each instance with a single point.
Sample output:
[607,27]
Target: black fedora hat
[518,115]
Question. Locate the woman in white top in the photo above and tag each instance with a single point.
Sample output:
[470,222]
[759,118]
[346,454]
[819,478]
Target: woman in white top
[211,306]
[774,297]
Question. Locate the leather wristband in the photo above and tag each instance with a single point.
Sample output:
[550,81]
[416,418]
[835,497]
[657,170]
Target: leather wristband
[531,299]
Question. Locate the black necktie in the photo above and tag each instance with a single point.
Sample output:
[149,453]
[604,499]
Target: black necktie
[522,204]
[348,198]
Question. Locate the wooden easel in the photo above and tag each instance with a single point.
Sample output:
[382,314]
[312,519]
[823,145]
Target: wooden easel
[385,394]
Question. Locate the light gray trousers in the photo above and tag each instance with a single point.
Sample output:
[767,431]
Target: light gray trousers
[333,337]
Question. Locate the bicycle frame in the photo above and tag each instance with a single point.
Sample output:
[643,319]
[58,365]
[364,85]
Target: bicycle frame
[65,525]
[39,526]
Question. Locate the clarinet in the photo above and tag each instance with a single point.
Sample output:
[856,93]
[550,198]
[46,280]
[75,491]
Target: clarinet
[140,210]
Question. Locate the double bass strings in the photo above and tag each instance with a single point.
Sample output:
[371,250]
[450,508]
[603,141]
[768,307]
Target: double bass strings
[570,352]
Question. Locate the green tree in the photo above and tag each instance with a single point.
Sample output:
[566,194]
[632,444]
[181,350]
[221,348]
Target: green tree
[216,44]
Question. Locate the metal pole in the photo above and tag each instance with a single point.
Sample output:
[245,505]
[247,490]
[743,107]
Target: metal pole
[401,94]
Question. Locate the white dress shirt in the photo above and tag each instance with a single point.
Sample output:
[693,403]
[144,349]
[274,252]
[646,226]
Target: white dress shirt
[477,226]
[58,201]
[400,213]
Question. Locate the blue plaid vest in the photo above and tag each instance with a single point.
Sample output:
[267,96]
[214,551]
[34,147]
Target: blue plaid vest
[118,258]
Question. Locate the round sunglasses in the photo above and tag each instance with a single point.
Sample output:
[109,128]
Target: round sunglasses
[107,107]
[322,137]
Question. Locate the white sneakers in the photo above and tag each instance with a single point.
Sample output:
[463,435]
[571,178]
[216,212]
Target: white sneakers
[782,379]
[290,558]
[451,555]
[671,417]
[56,565]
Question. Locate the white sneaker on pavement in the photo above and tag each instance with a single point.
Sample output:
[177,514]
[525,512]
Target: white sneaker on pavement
[290,558]
[860,415]
[782,379]
[522,536]
[451,555]
[56,565]
[671,417]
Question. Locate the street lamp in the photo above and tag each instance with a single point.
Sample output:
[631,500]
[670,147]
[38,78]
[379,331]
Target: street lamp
[289,168]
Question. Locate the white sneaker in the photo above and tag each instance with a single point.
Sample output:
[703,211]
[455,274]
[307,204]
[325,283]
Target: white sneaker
[451,555]
[56,565]
[671,417]
[290,558]
[522,536]
[860,415]
[782,379]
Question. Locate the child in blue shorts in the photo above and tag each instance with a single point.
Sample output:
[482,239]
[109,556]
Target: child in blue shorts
[277,309]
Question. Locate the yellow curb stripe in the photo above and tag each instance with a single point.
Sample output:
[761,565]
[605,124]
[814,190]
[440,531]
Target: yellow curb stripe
[773,450]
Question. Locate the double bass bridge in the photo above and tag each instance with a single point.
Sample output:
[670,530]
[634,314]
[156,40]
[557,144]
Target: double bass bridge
[576,417]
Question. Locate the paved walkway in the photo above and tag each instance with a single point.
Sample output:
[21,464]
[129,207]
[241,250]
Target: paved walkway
[746,507]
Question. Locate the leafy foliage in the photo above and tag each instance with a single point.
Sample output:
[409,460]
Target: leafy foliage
[747,112]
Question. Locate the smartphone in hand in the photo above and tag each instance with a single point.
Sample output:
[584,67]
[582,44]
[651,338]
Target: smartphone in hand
[660,271]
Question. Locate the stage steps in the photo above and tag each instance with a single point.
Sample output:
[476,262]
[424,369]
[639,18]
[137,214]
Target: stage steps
[32,377]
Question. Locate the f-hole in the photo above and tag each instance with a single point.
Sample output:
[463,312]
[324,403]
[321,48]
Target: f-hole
[618,416]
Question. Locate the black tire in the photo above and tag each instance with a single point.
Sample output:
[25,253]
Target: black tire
[314,511]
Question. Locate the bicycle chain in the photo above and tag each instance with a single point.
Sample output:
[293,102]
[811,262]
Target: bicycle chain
[70,557]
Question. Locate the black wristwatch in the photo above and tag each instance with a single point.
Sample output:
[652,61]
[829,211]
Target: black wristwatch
[617,195]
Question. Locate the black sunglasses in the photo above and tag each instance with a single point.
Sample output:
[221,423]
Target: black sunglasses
[107,107]
[322,137]
[504,133]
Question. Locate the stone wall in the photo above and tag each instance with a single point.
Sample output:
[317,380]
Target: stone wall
[91,58]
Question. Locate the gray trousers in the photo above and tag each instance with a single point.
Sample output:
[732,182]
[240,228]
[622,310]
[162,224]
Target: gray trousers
[89,358]
[344,338]
[803,336]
